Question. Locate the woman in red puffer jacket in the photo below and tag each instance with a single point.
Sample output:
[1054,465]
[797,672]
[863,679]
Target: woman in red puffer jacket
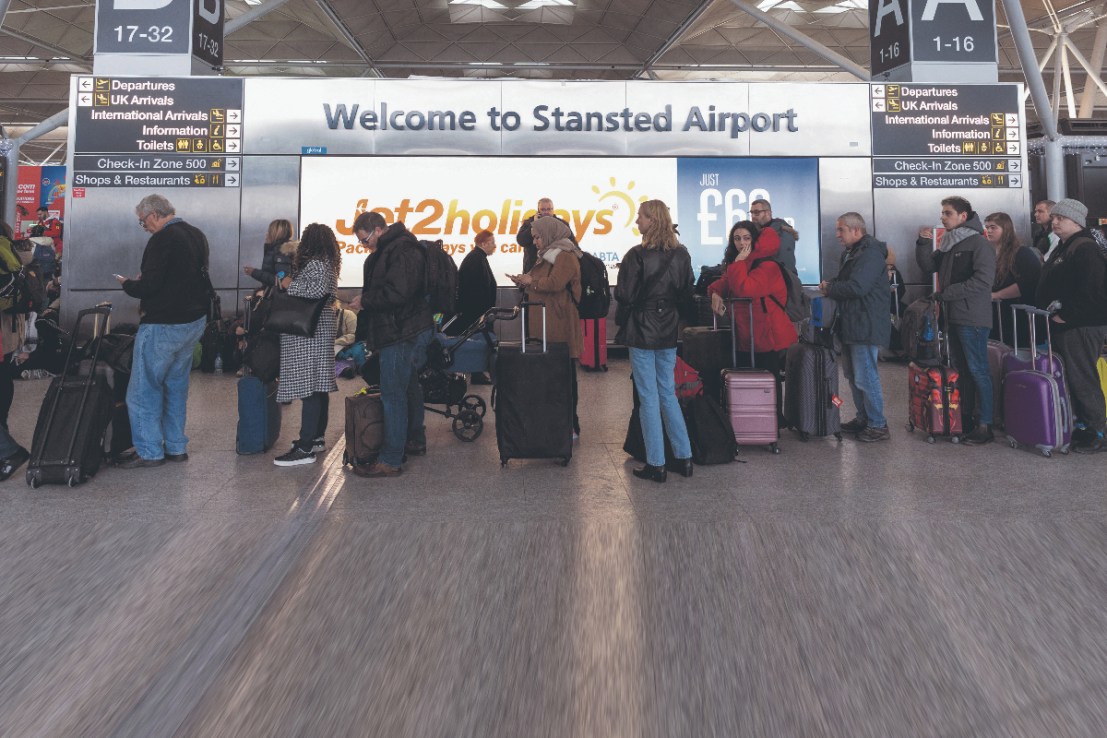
[752,272]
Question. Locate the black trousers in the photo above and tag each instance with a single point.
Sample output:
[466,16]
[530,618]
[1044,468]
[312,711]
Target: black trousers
[313,419]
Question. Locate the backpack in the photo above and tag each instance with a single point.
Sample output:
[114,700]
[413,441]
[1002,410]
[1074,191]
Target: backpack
[798,305]
[595,289]
[25,292]
[441,278]
[212,342]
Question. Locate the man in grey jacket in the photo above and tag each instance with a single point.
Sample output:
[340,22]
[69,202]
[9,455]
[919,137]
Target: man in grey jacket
[966,267]
[861,291]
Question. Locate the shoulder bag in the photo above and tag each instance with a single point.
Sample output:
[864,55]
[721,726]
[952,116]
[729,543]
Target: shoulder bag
[296,316]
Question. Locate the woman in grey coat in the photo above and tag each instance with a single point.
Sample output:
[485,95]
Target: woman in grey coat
[307,364]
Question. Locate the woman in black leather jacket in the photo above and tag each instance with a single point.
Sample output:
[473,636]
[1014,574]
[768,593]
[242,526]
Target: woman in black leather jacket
[275,260]
[655,281]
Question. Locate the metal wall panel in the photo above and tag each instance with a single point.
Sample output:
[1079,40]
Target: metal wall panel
[270,190]
[844,186]
[418,98]
[709,98]
[525,97]
[281,116]
[833,119]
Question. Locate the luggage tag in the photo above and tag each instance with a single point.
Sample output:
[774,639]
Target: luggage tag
[836,401]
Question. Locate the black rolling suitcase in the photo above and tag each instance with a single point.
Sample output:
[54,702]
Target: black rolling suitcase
[533,399]
[68,441]
[811,391]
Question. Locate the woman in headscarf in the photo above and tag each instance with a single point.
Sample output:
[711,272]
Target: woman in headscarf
[655,280]
[555,281]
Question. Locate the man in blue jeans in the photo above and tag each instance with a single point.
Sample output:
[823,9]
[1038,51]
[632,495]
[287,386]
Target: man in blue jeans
[966,267]
[174,290]
[861,293]
[398,323]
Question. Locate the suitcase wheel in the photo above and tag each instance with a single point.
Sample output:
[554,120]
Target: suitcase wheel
[72,476]
[1046,451]
[503,462]
[930,439]
[33,478]
[838,435]
[564,461]
[910,427]
[474,403]
[1064,449]
[774,447]
[345,458]
[955,439]
[468,425]
[803,436]
[1012,442]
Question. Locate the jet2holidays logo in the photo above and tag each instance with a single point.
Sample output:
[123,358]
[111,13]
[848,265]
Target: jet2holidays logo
[720,193]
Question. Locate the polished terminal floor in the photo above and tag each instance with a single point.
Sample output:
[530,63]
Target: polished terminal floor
[894,589]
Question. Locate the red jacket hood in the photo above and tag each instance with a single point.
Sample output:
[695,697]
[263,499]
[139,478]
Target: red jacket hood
[768,244]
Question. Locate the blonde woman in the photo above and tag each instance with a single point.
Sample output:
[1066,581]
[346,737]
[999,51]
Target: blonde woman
[655,279]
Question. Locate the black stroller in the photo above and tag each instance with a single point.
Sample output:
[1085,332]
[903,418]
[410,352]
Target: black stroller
[449,359]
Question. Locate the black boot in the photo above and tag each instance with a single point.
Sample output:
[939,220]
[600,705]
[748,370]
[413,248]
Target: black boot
[684,466]
[653,473]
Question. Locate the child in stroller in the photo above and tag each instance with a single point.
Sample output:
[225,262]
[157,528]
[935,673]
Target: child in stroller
[449,360]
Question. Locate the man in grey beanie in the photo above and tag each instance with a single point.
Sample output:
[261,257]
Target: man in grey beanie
[1075,277]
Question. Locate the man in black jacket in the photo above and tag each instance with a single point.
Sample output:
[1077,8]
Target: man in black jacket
[1075,277]
[476,290]
[761,213]
[175,298]
[400,327]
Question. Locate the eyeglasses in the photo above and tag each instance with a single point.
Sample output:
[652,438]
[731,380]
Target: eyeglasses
[758,212]
[364,241]
[142,220]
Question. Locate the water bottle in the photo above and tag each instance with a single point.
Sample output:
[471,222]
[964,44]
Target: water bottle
[219,363]
[280,278]
[928,329]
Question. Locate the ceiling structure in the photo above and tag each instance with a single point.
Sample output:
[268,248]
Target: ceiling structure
[43,42]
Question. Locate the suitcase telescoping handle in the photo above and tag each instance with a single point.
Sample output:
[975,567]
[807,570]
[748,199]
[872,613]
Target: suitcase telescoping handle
[734,330]
[998,305]
[523,324]
[1032,311]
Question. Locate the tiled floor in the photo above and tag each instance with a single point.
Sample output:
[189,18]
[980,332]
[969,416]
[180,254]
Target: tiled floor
[894,589]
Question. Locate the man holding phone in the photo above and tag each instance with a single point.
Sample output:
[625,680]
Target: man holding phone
[173,290]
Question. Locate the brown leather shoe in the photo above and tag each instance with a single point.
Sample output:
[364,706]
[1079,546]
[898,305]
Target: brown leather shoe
[377,469]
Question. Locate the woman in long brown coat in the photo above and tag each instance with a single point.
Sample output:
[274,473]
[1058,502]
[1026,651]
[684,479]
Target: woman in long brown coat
[556,274]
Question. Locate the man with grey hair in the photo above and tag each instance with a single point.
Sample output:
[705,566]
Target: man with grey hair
[861,292]
[526,240]
[174,289]
[1074,280]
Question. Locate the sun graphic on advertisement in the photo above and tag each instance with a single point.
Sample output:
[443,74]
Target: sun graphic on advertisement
[623,199]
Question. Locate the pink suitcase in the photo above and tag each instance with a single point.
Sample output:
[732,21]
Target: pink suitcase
[749,396]
[594,356]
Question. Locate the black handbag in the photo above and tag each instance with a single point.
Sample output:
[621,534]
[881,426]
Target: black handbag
[296,316]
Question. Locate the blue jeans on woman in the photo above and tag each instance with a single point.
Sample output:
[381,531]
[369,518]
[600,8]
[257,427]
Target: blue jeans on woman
[861,370]
[157,396]
[969,345]
[402,396]
[656,386]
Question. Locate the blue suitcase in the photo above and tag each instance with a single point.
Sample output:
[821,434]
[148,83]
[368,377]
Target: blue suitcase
[259,416]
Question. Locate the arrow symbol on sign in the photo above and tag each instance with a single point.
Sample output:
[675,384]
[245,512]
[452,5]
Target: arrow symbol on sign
[232,131]
[1016,180]
[86,83]
[232,145]
[84,99]
[231,179]
[234,116]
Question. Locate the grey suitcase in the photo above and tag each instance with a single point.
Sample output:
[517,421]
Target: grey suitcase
[811,391]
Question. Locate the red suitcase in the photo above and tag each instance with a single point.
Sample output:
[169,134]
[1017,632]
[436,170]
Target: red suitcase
[594,356]
[749,395]
[935,397]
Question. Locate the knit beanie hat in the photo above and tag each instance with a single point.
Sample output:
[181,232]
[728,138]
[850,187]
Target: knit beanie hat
[1072,209]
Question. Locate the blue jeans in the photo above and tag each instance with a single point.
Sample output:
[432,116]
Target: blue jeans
[157,396]
[969,345]
[656,386]
[402,396]
[860,367]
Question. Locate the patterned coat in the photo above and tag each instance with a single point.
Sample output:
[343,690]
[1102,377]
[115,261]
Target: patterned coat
[307,364]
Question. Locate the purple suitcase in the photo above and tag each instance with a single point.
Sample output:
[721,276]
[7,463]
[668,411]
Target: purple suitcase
[997,356]
[1039,412]
[749,396]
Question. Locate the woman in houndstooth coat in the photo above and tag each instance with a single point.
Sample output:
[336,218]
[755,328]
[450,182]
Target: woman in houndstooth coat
[307,364]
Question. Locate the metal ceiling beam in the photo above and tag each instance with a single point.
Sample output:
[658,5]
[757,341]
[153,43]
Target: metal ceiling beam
[675,36]
[56,50]
[4,5]
[804,40]
[1099,47]
[251,15]
[344,30]
[542,66]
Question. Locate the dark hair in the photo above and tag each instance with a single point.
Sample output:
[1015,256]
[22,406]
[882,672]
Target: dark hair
[5,229]
[1007,248]
[369,222]
[960,204]
[318,243]
[731,250]
[43,207]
